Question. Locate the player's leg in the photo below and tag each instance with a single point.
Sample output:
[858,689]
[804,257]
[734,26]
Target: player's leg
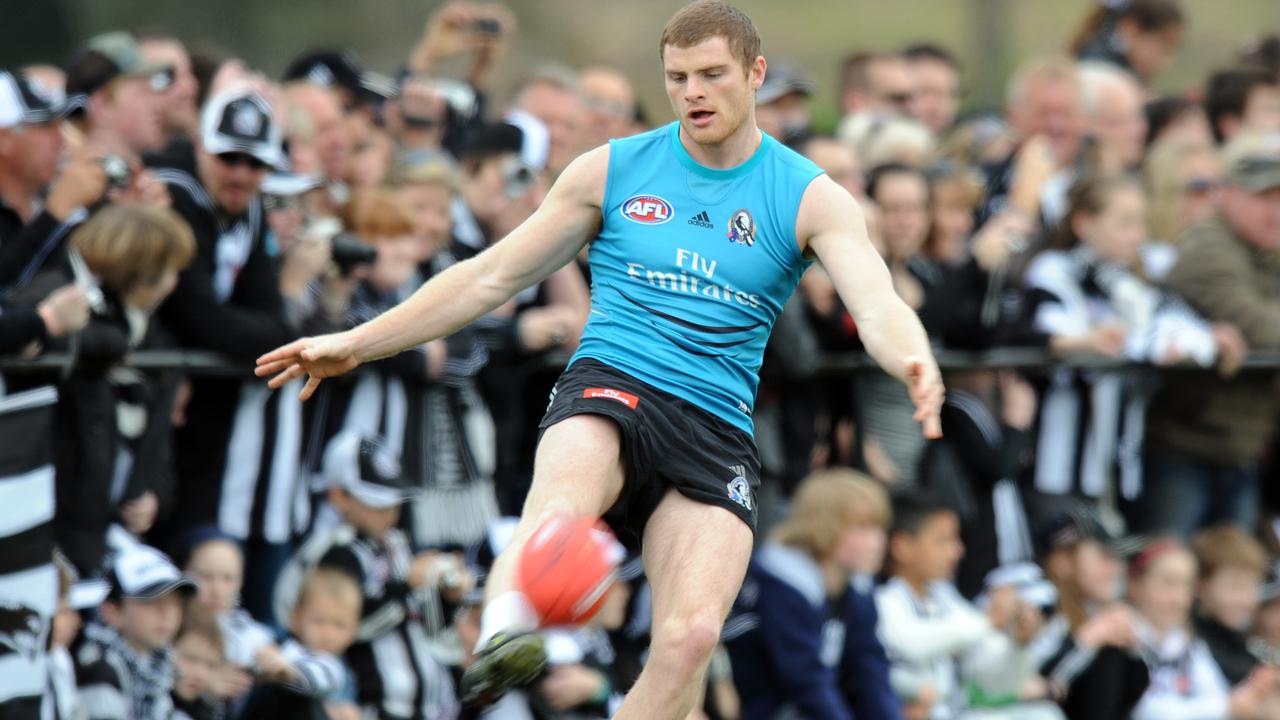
[695,556]
[577,470]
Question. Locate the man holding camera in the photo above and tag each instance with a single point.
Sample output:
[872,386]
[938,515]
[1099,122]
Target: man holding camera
[237,450]
[113,100]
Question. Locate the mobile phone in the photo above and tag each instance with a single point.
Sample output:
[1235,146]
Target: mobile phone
[486,26]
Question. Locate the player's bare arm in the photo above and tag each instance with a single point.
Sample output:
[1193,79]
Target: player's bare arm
[545,242]
[830,227]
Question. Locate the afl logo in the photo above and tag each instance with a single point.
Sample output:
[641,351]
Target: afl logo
[647,209]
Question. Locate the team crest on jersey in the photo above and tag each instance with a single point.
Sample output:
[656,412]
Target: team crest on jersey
[647,209]
[739,488]
[742,228]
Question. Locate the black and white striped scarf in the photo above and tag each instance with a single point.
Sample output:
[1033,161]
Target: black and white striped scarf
[148,677]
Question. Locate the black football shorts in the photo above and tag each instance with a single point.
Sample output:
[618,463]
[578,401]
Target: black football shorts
[667,442]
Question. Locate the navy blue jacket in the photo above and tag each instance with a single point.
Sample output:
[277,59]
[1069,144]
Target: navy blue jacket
[794,647]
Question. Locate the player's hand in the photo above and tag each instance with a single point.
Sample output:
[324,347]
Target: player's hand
[317,358]
[924,384]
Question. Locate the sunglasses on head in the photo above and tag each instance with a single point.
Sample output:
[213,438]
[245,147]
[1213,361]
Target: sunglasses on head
[421,122]
[900,99]
[281,202]
[233,159]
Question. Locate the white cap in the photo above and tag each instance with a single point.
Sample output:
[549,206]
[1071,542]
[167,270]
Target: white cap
[240,120]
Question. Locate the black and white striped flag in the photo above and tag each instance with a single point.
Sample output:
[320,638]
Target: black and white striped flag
[28,579]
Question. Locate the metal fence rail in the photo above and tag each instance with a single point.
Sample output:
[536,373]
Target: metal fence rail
[201,362]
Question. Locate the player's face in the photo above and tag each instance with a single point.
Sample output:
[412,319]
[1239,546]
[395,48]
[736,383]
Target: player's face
[710,91]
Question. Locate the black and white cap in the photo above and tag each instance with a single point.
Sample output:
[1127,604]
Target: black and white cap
[140,572]
[1027,579]
[366,468]
[286,184]
[240,120]
[340,68]
[88,594]
[27,101]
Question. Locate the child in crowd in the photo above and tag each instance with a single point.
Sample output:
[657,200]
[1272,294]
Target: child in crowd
[1090,293]
[197,656]
[1185,680]
[1086,649]
[1232,567]
[947,656]
[62,702]
[124,661]
[578,679]
[322,625]
[396,674]
[215,560]
[802,633]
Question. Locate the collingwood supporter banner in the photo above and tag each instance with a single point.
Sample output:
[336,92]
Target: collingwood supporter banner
[28,579]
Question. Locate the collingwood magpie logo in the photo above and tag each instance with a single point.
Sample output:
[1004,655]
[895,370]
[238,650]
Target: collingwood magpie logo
[20,630]
[702,220]
[739,488]
[742,228]
[247,121]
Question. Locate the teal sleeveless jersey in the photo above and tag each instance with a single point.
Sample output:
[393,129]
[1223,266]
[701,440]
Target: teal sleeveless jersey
[692,267]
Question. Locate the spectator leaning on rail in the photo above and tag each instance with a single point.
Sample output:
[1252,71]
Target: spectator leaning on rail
[1205,433]
[237,451]
[112,432]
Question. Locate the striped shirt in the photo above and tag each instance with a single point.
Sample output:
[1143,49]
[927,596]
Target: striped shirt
[238,453]
[394,668]
[28,579]
[1093,423]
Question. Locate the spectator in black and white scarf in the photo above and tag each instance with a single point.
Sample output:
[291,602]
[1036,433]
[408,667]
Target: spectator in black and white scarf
[424,403]
[124,662]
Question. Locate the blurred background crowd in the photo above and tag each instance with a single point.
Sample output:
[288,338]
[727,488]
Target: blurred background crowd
[1093,537]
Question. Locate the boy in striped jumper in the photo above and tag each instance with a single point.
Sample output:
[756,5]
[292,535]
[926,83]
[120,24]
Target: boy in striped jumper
[312,682]
[397,677]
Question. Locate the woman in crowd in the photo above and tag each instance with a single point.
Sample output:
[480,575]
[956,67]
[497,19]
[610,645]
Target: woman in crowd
[1183,179]
[215,560]
[1086,648]
[1137,35]
[1185,680]
[1089,294]
[424,403]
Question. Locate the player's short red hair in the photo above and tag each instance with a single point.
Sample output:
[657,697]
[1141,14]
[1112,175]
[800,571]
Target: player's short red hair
[703,19]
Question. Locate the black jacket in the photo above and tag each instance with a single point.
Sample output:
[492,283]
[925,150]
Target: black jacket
[976,454]
[228,300]
[88,437]
[1228,647]
[27,247]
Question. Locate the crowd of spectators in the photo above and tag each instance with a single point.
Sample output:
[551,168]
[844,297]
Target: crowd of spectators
[1091,539]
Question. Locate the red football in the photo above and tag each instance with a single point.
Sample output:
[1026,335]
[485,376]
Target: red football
[567,568]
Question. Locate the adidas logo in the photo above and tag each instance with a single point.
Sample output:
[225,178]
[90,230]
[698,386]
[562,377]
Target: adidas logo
[701,220]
